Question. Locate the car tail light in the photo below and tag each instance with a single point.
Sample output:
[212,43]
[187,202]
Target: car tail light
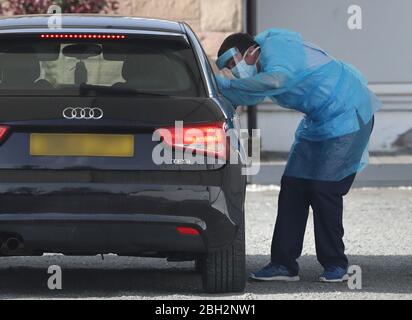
[209,139]
[4,130]
[185,231]
[82,36]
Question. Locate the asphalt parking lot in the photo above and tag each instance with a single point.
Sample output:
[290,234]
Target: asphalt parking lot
[378,238]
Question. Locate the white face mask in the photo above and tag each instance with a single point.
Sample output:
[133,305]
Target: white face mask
[244,70]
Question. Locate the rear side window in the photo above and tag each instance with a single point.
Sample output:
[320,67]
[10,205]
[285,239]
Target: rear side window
[41,65]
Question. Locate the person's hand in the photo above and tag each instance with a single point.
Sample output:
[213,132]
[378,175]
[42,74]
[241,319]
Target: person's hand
[227,73]
[252,55]
[222,82]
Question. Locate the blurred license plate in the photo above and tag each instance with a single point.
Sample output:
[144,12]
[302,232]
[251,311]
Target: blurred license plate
[81,145]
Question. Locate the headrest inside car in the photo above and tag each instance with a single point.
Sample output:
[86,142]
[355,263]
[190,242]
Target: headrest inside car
[82,51]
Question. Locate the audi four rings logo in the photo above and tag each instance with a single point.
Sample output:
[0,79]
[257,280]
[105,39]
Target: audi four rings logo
[83,113]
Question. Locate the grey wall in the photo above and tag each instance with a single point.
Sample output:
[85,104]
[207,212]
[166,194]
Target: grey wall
[382,50]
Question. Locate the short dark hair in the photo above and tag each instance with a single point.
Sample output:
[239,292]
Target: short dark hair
[241,41]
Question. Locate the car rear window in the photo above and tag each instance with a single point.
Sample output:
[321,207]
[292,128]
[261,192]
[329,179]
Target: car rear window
[81,64]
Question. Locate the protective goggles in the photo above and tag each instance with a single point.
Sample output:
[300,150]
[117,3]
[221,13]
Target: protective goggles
[223,60]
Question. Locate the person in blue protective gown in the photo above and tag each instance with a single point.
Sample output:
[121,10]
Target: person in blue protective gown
[331,142]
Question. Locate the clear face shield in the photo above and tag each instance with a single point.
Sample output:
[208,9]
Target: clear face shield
[241,66]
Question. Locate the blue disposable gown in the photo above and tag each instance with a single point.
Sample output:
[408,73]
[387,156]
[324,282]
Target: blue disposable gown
[331,141]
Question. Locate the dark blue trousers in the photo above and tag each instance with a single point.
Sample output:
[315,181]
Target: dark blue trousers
[326,199]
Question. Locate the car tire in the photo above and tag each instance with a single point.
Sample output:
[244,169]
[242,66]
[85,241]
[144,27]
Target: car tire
[224,270]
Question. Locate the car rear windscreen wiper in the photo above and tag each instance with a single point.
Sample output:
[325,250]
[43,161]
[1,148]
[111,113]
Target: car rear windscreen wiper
[87,88]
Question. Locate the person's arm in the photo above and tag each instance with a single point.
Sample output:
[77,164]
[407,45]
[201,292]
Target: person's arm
[240,98]
[264,84]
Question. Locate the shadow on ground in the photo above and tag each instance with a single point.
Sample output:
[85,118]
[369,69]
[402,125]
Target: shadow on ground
[380,274]
[138,278]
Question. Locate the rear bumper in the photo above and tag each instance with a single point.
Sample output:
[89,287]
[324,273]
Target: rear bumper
[128,213]
[127,234]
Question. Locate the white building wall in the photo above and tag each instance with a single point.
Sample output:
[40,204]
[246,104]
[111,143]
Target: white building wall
[382,50]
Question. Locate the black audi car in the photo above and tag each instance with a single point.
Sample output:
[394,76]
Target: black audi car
[84,108]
